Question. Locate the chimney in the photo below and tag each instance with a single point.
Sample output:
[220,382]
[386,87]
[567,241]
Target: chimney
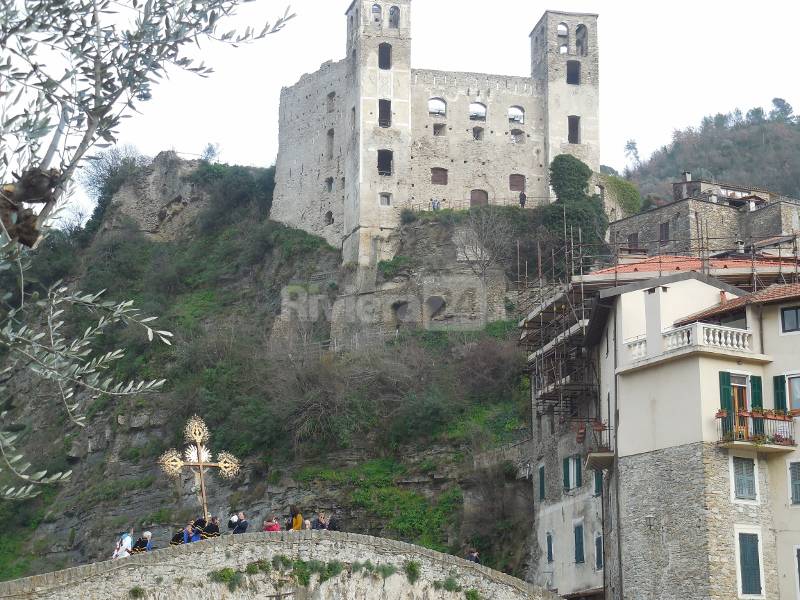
[687,176]
[652,315]
[722,297]
[740,246]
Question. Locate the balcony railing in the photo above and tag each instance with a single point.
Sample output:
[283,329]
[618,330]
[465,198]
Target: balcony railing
[768,430]
[695,335]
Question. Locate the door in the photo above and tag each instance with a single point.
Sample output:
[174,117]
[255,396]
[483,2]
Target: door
[478,198]
[741,425]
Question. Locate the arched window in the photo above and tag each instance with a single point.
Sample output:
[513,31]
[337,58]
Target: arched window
[329,218]
[478,198]
[563,38]
[581,40]
[573,72]
[477,111]
[385,56]
[438,176]
[516,114]
[377,14]
[517,136]
[435,306]
[516,183]
[394,17]
[437,107]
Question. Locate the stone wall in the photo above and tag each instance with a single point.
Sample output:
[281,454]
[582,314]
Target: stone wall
[183,572]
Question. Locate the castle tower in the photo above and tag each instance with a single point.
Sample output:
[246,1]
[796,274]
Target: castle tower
[564,63]
[378,153]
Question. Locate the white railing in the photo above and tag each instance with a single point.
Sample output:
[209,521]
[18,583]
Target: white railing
[697,335]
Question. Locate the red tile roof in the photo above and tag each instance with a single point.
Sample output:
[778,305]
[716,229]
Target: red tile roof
[688,263]
[773,293]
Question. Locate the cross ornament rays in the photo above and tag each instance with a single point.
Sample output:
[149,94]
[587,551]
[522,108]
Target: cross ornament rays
[197,457]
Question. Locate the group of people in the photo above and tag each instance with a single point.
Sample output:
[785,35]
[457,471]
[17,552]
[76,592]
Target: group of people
[202,529]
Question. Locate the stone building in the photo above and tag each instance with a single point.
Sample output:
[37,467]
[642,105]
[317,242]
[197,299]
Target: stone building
[368,135]
[664,450]
[713,216]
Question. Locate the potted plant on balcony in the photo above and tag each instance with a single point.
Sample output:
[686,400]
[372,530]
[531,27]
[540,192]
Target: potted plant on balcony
[744,413]
[721,414]
[757,411]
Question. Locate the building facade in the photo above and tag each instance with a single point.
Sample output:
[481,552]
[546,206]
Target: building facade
[678,394]
[367,136]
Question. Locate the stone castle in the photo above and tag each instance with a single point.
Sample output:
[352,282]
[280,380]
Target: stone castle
[367,136]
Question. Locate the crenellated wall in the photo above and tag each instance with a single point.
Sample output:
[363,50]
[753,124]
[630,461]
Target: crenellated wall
[182,572]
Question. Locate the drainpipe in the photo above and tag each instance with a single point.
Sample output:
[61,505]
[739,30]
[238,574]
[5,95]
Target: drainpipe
[616,456]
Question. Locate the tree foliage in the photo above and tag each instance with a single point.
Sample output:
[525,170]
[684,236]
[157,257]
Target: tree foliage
[625,192]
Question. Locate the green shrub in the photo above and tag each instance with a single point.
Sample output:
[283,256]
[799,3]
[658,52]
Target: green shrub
[390,268]
[451,584]
[472,595]
[407,216]
[252,568]
[136,592]
[225,575]
[301,573]
[386,570]
[281,562]
[412,570]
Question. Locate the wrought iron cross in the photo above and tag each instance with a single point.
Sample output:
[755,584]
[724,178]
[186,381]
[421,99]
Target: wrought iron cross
[197,457]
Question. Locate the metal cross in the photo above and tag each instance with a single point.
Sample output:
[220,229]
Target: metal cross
[197,457]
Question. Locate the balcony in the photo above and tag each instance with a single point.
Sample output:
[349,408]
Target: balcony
[763,431]
[704,337]
[600,456]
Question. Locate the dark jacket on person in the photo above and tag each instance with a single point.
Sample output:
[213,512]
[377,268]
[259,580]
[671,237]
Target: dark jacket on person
[316,524]
[241,527]
[210,530]
[177,539]
[141,545]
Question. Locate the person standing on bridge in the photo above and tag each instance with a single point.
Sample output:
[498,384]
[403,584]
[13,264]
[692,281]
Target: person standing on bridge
[522,199]
[296,517]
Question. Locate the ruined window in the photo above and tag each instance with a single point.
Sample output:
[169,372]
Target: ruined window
[330,144]
[477,111]
[663,233]
[439,129]
[385,162]
[517,136]
[385,56]
[437,107]
[331,101]
[394,17]
[329,218]
[438,176]
[385,113]
[633,240]
[573,72]
[436,306]
[377,15]
[401,312]
[477,133]
[516,114]
[478,198]
[329,184]
[563,38]
[581,40]
[385,199]
[516,183]
[574,126]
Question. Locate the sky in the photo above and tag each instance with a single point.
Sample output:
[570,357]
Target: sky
[663,66]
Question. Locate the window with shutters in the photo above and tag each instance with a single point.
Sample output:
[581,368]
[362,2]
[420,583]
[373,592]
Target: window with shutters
[794,482]
[744,478]
[598,552]
[749,564]
[598,482]
[790,319]
[572,472]
[579,553]
[542,489]
[663,233]
[793,388]
[549,542]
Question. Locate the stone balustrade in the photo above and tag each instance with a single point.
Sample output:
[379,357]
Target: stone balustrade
[694,335]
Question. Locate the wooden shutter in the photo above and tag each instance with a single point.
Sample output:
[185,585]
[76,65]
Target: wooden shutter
[578,474]
[566,473]
[749,563]
[598,482]
[579,557]
[541,482]
[757,401]
[598,552]
[726,400]
[779,387]
[549,548]
[744,478]
[794,474]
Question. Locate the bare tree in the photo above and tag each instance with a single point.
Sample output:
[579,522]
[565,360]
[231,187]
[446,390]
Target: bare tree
[485,244]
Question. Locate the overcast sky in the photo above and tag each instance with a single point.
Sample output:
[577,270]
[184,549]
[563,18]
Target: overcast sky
[663,66]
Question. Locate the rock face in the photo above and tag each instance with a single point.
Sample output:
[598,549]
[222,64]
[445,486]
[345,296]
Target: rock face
[160,200]
[183,573]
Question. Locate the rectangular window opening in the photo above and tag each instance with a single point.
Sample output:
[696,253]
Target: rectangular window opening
[438,176]
[331,101]
[574,135]
[663,233]
[549,547]
[330,144]
[790,319]
[386,199]
[598,552]
[385,162]
[439,129]
[541,483]
[477,133]
[579,554]
[573,72]
[744,478]
[385,113]
[633,240]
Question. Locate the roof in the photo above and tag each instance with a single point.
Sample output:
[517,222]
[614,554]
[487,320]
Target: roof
[667,263]
[769,295]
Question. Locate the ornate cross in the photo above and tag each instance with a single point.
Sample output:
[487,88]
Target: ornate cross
[197,457]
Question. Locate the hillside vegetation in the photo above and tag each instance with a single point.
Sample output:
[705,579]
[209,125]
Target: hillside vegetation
[754,148]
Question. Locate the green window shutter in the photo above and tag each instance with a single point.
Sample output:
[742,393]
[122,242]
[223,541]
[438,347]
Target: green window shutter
[744,479]
[794,473]
[598,482]
[578,475]
[579,557]
[749,564]
[549,547]
[755,388]
[726,400]
[566,473]
[541,482]
[598,552]
[779,387]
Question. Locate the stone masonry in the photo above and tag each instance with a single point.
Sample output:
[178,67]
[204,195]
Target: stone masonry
[461,138]
[182,572]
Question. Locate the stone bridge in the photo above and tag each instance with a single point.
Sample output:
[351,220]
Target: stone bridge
[306,565]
